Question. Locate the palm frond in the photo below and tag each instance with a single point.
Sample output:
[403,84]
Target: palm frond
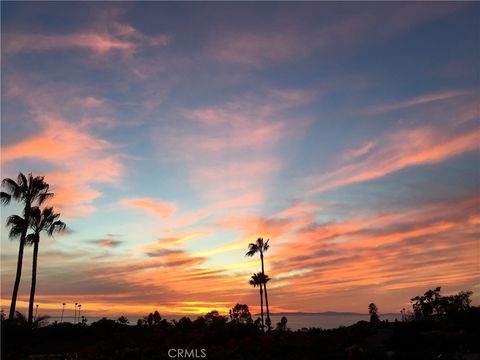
[15,220]
[57,226]
[22,180]
[20,318]
[5,198]
[265,245]
[252,249]
[15,232]
[30,239]
[44,196]
[254,280]
[38,187]
[14,189]
[17,226]
[263,278]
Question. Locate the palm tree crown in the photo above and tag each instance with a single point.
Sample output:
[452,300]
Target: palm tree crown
[254,280]
[26,190]
[44,220]
[263,278]
[259,246]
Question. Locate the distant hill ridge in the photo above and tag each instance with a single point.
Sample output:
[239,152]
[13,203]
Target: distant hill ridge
[326,313]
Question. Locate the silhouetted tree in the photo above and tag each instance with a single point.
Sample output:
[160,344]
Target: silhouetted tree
[21,320]
[240,314]
[150,319]
[184,323]
[75,315]
[282,325]
[30,191]
[45,220]
[373,311]
[427,306]
[156,318]
[432,305]
[63,311]
[261,247]
[256,281]
[214,317]
[123,320]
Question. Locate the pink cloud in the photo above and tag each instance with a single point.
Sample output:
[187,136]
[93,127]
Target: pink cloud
[95,42]
[359,151]
[419,100]
[247,200]
[80,159]
[399,150]
[105,35]
[229,150]
[91,101]
[158,208]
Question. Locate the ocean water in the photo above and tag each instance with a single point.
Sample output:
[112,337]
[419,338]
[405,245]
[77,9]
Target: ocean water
[295,321]
[326,321]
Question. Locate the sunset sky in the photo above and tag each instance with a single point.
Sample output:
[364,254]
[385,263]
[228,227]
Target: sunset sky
[173,134]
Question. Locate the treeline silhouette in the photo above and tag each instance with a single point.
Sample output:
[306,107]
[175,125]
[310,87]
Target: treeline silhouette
[449,332]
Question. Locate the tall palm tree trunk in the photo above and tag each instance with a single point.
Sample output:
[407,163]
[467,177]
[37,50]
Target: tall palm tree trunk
[34,283]
[16,285]
[261,307]
[269,323]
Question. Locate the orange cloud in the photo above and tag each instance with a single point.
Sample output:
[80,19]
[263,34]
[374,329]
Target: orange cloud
[79,158]
[400,150]
[161,209]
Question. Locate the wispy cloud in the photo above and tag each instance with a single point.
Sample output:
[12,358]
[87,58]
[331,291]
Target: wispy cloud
[228,149]
[285,40]
[107,35]
[109,243]
[78,157]
[359,151]
[399,150]
[419,100]
[158,208]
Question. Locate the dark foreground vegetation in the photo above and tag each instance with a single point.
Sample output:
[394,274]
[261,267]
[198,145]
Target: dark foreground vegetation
[431,331]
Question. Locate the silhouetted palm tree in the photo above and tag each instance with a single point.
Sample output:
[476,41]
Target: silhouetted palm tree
[75,316]
[255,281]
[261,246]
[63,310]
[40,220]
[32,191]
